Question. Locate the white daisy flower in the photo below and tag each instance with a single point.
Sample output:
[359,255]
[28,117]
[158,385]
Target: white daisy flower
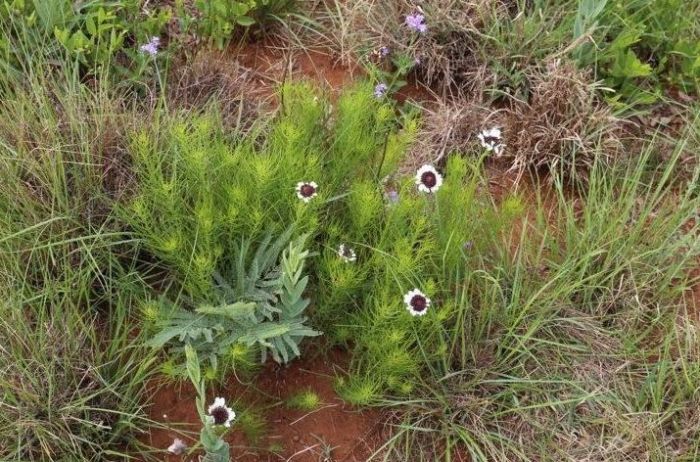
[428,179]
[492,140]
[416,302]
[306,190]
[220,414]
[178,447]
[346,253]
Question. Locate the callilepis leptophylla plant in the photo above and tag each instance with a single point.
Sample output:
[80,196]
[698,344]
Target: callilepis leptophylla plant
[216,418]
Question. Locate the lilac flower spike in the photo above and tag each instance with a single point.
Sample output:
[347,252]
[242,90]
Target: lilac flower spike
[380,90]
[150,48]
[416,22]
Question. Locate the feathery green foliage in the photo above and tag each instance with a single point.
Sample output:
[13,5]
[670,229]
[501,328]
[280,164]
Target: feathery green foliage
[199,189]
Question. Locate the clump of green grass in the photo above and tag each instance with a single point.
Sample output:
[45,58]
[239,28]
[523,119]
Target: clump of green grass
[73,384]
[74,369]
[305,400]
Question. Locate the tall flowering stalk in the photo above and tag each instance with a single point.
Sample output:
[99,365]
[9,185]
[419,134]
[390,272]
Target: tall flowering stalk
[216,419]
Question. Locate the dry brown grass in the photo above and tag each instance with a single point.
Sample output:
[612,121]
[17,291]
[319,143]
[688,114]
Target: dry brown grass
[211,77]
[562,125]
[451,51]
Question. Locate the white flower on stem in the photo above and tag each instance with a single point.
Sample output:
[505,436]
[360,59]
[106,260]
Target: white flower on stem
[416,302]
[346,253]
[178,447]
[220,414]
[492,140]
[306,190]
[428,179]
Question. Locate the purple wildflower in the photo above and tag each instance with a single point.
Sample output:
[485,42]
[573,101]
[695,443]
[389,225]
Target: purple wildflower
[150,48]
[380,90]
[384,52]
[416,22]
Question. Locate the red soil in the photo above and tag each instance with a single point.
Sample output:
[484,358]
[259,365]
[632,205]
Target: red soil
[274,65]
[332,432]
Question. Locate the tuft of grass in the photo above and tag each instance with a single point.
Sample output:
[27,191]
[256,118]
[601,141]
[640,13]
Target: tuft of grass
[74,368]
[358,391]
[305,400]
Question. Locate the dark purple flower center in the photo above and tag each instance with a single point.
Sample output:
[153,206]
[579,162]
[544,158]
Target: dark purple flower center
[220,415]
[428,179]
[419,303]
[307,190]
[346,252]
[492,140]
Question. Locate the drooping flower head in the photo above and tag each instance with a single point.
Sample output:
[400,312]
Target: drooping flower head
[492,140]
[416,302]
[307,190]
[178,447]
[151,47]
[220,414]
[416,22]
[347,254]
[428,179]
[380,90]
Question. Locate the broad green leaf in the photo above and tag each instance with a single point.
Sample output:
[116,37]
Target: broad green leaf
[245,21]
